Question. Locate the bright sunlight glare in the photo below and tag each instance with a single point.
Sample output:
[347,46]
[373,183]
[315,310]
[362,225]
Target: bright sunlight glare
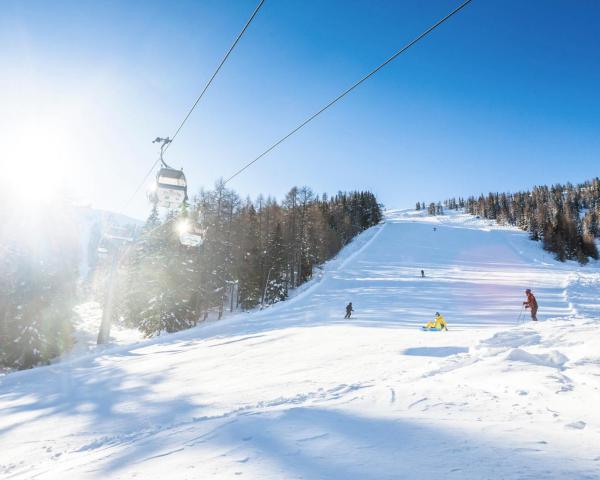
[182,226]
[57,138]
[38,161]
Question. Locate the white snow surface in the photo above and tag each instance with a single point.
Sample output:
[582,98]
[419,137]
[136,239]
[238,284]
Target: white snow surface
[297,392]
[86,327]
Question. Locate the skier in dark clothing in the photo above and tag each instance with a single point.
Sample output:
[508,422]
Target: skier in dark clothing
[531,303]
[422,273]
[349,310]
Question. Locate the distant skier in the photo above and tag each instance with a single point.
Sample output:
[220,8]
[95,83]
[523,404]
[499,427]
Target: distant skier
[349,310]
[435,229]
[531,303]
[422,273]
[438,323]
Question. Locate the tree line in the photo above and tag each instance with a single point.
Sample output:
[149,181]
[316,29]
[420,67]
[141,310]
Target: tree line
[252,253]
[565,218]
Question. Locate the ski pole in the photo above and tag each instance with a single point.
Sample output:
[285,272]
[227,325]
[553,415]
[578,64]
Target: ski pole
[520,315]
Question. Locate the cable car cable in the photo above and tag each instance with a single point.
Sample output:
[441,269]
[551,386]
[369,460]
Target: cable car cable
[348,90]
[308,120]
[206,87]
[260,4]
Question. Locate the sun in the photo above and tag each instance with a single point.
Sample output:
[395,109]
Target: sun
[38,161]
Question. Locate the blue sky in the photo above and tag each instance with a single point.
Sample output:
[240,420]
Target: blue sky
[501,97]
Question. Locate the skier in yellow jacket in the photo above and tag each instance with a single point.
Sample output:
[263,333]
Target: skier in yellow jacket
[438,323]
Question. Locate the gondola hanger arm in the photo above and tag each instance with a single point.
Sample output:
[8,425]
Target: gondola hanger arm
[164,142]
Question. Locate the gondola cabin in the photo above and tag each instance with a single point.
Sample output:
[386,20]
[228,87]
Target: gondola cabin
[190,233]
[171,188]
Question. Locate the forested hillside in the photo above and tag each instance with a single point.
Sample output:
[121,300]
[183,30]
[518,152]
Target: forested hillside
[564,217]
[252,253]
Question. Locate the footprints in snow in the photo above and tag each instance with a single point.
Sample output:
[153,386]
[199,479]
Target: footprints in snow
[579,425]
[314,437]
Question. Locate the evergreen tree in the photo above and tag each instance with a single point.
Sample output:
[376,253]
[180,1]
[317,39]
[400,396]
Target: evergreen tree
[275,279]
[248,257]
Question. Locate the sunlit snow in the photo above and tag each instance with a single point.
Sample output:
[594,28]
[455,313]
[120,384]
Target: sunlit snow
[296,391]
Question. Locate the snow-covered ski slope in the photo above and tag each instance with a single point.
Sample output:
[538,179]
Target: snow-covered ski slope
[297,392]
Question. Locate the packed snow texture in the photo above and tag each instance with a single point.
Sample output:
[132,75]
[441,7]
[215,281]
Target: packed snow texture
[295,391]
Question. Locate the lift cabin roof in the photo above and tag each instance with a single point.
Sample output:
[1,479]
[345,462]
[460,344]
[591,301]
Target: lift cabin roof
[171,177]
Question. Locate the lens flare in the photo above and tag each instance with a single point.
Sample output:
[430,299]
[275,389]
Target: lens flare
[182,227]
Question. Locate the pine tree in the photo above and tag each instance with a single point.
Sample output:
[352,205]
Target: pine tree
[275,279]
[248,258]
[162,280]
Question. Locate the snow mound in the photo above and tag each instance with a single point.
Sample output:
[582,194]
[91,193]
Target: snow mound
[513,339]
[554,359]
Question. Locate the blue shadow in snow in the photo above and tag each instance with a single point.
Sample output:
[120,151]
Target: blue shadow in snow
[434,351]
[328,444]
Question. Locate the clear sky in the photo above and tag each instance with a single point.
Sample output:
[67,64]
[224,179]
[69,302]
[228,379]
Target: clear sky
[503,96]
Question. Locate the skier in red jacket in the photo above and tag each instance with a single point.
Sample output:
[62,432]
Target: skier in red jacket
[531,303]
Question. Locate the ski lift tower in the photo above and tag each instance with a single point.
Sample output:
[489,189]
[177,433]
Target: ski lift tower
[112,244]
